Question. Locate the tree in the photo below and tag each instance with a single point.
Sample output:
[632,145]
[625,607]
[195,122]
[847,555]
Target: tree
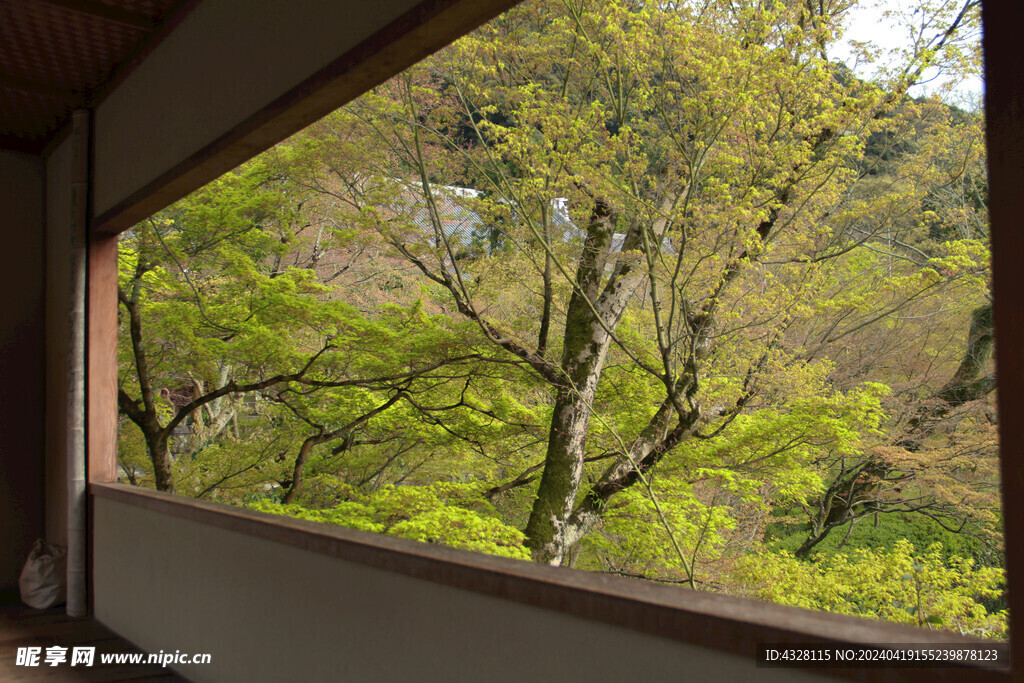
[707,156]
[213,311]
[632,279]
[923,589]
[946,441]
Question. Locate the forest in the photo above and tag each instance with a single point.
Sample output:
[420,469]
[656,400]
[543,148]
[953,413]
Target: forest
[659,291]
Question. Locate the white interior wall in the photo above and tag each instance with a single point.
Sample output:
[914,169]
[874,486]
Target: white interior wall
[225,61]
[271,612]
[22,323]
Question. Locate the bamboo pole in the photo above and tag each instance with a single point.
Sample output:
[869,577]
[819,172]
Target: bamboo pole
[77,598]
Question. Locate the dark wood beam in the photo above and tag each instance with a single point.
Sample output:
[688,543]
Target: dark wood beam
[109,13]
[1004,116]
[36,88]
[24,145]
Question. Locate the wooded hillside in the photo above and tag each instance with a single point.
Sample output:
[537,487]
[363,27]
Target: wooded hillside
[658,291]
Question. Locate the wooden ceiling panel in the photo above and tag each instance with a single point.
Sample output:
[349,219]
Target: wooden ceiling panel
[58,54]
[30,117]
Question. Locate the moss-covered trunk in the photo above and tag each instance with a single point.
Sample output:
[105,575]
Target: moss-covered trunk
[160,454]
[563,464]
[594,311]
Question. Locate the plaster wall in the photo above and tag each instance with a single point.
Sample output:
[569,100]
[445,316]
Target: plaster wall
[21,362]
[268,611]
[225,61]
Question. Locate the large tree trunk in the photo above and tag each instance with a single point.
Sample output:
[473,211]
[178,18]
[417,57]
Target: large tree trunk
[556,524]
[665,430]
[968,382]
[593,314]
[160,454]
[645,451]
[563,465]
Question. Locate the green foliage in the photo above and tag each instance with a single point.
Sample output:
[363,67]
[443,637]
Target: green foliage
[632,538]
[891,528]
[710,490]
[776,446]
[801,254]
[444,513]
[893,584]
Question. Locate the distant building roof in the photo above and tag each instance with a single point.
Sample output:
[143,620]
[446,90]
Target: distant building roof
[462,224]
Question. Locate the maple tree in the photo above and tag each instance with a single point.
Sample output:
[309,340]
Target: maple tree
[709,174]
[606,284]
[212,313]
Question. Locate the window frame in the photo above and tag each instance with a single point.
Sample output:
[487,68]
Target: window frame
[720,622]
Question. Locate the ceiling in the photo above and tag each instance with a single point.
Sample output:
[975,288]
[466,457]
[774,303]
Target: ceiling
[59,55]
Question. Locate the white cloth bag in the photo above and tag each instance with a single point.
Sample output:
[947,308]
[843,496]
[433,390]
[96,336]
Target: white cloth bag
[43,581]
